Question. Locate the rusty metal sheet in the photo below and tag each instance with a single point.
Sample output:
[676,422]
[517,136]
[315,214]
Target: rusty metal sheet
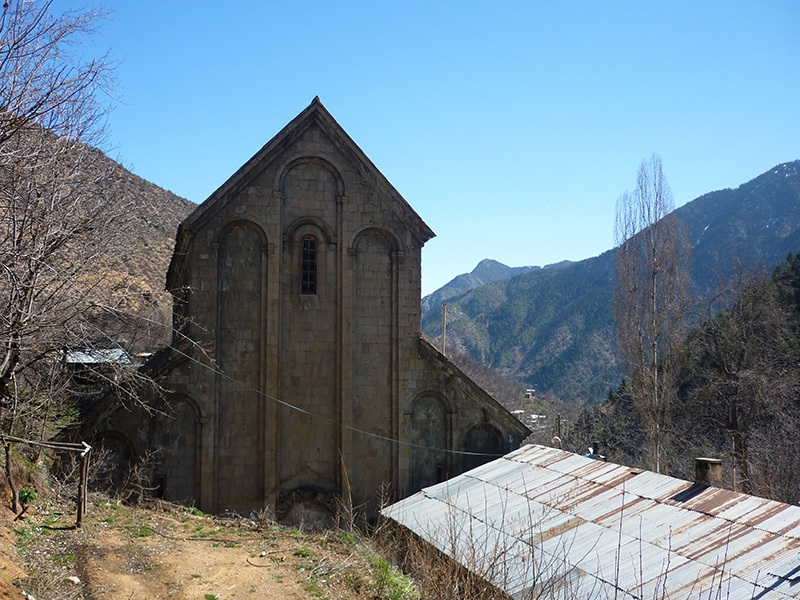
[655,486]
[599,527]
[783,519]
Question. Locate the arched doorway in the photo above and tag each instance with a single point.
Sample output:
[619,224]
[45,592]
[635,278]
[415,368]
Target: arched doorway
[173,435]
[112,454]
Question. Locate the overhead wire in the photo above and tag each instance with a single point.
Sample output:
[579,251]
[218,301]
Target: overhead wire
[217,371]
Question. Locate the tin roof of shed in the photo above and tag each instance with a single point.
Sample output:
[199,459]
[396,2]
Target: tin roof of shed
[97,356]
[541,519]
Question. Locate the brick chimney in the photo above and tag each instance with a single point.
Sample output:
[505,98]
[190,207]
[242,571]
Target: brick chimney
[708,471]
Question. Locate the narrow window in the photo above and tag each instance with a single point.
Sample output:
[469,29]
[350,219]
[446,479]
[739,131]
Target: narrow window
[308,283]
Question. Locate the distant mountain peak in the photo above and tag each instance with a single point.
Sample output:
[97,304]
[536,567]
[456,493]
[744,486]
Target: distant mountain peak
[486,271]
[489,270]
[489,263]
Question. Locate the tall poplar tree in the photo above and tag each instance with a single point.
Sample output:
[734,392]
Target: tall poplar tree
[650,301]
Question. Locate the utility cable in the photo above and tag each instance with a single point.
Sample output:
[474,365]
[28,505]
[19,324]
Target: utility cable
[217,371]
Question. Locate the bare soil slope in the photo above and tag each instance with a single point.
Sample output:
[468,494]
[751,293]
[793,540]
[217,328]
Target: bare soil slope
[171,552]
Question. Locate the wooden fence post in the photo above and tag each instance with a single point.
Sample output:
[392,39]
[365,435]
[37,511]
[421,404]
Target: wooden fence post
[83,484]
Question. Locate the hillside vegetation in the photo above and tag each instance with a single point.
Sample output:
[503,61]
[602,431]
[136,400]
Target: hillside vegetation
[739,384]
[146,245]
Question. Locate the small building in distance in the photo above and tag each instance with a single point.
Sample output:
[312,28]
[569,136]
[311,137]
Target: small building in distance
[297,376]
[90,368]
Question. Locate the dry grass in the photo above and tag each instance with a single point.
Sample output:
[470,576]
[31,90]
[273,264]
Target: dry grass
[167,551]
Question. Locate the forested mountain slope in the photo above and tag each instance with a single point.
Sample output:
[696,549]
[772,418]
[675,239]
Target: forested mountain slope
[553,329]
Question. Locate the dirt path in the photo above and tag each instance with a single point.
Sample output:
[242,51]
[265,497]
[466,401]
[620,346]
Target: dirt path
[153,567]
[135,554]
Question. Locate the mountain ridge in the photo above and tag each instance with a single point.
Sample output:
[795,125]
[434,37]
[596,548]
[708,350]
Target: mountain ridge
[553,330]
[147,241]
[487,271]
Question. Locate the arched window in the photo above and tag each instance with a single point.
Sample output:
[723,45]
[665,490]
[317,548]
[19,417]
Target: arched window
[308,282]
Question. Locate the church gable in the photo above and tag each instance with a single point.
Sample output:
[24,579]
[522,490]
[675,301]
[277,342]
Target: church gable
[310,168]
[297,291]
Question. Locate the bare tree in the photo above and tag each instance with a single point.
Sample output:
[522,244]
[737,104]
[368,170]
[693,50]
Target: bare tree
[742,378]
[58,222]
[650,299]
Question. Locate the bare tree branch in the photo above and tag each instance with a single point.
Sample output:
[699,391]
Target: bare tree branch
[60,221]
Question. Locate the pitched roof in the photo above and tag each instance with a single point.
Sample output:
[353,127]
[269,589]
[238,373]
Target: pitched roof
[314,114]
[484,400]
[541,518]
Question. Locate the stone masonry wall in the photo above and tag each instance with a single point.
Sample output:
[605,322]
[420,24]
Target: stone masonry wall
[281,392]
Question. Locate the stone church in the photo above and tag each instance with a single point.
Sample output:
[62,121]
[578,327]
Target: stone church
[297,377]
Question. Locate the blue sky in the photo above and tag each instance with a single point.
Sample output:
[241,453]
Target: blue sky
[510,127]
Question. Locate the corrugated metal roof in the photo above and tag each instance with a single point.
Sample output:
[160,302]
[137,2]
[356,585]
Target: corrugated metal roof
[96,357]
[541,518]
